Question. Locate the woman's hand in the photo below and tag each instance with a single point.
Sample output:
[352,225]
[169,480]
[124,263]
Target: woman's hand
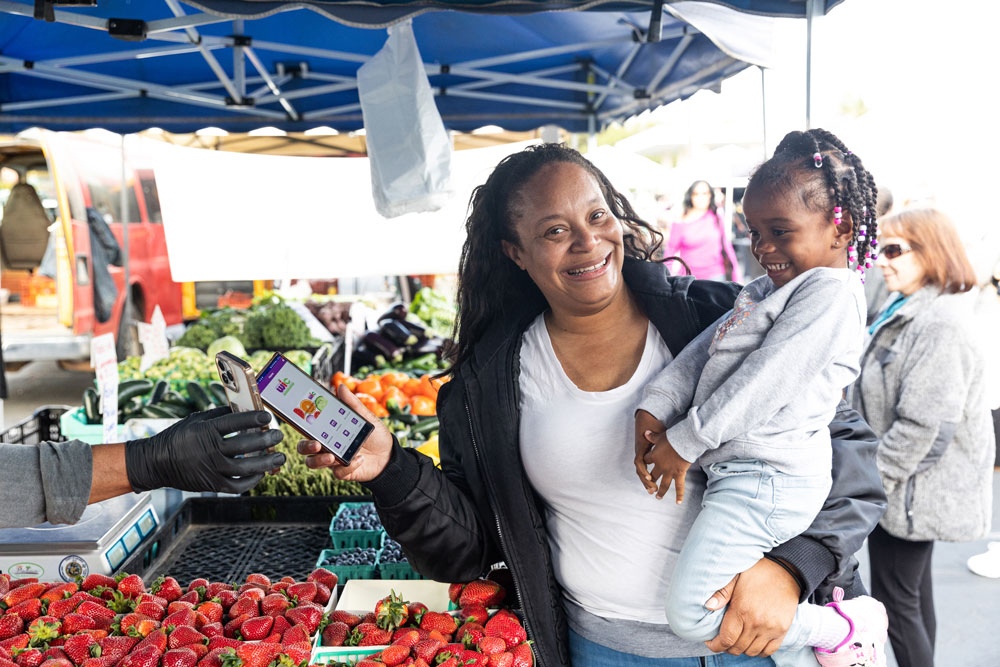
[371,458]
[645,422]
[762,603]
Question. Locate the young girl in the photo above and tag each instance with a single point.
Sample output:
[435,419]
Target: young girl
[750,398]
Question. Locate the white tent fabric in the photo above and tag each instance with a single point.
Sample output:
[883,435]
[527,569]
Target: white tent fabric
[746,37]
[232,216]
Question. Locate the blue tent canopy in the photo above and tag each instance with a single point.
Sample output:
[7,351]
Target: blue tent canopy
[238,65]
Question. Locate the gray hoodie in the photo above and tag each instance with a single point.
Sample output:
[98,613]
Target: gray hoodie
[49,481]
[765,380]
[923,391]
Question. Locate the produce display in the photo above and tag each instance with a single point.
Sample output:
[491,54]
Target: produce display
[181,363]
[296,479]
[117,622]
[351,556]
[269,324]
[144,399]
[406,403]
[434,310]
[402,341]
[392,552]
[361,517]
[335,315]
[403,632]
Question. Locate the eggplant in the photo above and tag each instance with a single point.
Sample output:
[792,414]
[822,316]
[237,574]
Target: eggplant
[397,332]
[431,345]
[363,356]
[417,329]
[397,311]
[381,345]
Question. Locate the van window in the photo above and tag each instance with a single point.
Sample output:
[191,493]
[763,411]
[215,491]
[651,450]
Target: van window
[152,197]
[105,196]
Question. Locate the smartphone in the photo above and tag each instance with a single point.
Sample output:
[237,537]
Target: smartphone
[240,382]
[311,409]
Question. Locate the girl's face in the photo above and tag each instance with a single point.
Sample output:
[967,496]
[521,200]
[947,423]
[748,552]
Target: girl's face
[903,274]
[788,239]
[701,196]
[569,242]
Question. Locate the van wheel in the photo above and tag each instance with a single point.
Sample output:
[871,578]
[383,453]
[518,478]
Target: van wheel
[127,342]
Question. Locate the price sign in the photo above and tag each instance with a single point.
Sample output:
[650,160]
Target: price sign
[104,360]
[153,337]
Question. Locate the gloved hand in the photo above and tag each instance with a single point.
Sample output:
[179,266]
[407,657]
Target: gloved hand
[192,455]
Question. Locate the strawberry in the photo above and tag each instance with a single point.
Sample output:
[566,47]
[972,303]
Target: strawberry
[503,659]
[213,589]
[11,625]
[214,658]
[275,604]
[150,609]
[43,629]
[95,610]
[147,657]
[14,583]
[222,642]
[335,634]
[394,655]
[256,628]
[98,635]
[233,626]
[116,648]
[146,626]
[59,592]
[455,592]
[454,650]
[212,609]
[200,650]
[304,592]
[344,617]
[191,596]
[391,612]
[324,576]
[179,605]
[184,635]
[167,588]
[155,599]
[28,610]
[417,611]
[31,657]
[252,591]
[200,620]
[368,663]
[80,647]
[307,616]
[323,593]
[4,584]
[475,613]
[212,630]
[62,608]
[200,584]
[57,662]
[180,657]
[470,634]
[259,580]
[294,634]
[369,634]
[507,628]
[184,616]
[523,657]
[244,606]
[55,653]
[281,626]
[407,637]
[279,587]
[227,598]
[491,645]
[420,662]
[471,658]
[482,591]
[439,621]
[369,617]
[98,581]
[103,661]
[257,655]
[156,639]
[131,586]
[16,642]
[449,662]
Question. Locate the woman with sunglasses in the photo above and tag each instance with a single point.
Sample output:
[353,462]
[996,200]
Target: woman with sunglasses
[922,389]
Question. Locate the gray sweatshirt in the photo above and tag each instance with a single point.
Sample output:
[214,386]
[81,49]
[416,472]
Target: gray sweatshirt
[764,381]
[45,482]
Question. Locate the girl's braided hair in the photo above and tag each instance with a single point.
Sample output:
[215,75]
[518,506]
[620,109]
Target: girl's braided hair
[829,178]
[487,279]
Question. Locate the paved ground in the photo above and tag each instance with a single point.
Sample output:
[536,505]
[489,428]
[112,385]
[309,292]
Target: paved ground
[968,606]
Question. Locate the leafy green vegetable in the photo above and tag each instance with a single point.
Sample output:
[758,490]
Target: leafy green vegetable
[295,479]
[277,328]
[230,344]
[435,311]
[198,335]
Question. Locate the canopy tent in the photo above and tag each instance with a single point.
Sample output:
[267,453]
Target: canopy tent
[289,68]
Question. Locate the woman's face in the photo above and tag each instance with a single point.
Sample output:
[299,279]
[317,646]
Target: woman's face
[701,196]
[905,273]
[569,242]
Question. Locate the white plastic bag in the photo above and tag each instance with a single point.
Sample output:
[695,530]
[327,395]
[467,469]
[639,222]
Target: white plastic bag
[408,145]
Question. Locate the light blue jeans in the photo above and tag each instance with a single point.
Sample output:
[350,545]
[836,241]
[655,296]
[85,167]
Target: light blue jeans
[585,653]
[749,507]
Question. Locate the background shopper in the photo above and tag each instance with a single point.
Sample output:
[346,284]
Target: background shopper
[699,237]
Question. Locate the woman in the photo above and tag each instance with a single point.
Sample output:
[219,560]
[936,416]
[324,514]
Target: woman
[562,317]
[699,239]
[922,389]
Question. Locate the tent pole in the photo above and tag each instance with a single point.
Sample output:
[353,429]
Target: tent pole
[123,207]
[763,113]
[591,133]
[810,15]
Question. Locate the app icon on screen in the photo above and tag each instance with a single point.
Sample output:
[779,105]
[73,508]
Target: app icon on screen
[342,411]
[347,434]
[333,423]
[354,420]
[325,435]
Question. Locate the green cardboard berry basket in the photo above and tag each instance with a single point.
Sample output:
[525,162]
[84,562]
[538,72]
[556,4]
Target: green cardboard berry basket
[344,539]
[73,426]
[346,572]
[394,570]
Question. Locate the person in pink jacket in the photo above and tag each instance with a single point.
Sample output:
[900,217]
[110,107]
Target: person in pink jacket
[699,238]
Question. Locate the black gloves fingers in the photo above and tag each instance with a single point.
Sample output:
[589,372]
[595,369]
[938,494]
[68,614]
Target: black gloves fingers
[240,421]
[246,443]
[241,484]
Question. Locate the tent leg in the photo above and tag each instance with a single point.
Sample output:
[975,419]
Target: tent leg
[125,250]
[591,133]
[763,113]
[813,9]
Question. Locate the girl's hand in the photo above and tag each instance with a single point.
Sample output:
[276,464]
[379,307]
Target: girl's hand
[667,464]
[644,422]
[762,603]
[371,458]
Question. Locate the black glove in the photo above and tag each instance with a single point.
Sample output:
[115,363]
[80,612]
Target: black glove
[192,455]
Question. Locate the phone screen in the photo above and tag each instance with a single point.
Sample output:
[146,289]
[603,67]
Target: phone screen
[313,410]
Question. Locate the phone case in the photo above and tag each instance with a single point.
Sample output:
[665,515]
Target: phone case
[241,389]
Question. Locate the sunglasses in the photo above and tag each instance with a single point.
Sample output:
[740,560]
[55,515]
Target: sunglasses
[894,250]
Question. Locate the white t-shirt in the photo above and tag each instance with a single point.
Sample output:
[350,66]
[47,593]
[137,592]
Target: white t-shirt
[613,545]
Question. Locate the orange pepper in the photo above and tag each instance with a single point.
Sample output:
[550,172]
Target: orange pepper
[340,378]
[369,401]
[372,387]
[422,406]
[380,411]
[412,387]
[429,386]
[395,393]
[394,379]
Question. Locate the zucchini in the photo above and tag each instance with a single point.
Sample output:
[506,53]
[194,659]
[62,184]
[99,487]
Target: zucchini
[174,410]
[133,388]
[218,394]
[425,426]
[159,391]
[156,412]
[173,398]
[92,406]
[199,396]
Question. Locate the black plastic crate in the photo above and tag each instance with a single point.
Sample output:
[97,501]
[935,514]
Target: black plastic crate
[43,426]
[225,539]
[328,360]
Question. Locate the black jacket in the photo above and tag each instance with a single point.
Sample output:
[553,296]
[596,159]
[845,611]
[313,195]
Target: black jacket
[479,509]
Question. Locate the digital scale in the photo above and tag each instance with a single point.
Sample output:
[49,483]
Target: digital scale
[99,543]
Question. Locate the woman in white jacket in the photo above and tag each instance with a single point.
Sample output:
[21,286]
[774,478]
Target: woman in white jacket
[923,391]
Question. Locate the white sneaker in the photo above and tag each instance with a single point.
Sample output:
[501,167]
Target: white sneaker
[986,564]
